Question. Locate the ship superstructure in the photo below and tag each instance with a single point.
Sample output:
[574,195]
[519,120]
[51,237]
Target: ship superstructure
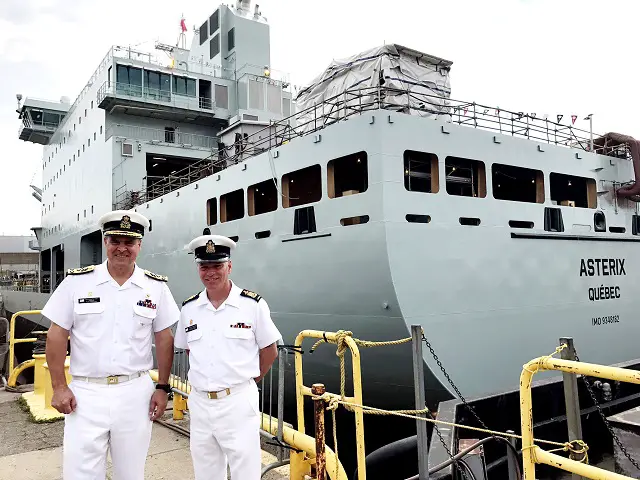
[377,202]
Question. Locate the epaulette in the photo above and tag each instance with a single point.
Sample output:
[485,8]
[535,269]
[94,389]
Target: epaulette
[250,294]
[155,276]
[80,271]
[192,297]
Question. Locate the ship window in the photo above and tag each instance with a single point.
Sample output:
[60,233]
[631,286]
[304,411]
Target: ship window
[85,112]
[235,238]
[474,222]
[302,186]
[203,32]
[214,22]
[94,136]
[51,119]
[617,229]
[465,177]
[184,86]
[88,142]
[345,222]
[128,80]
[421,172]
[231,39]
[415,218]
[520,224]
[262,197]
[222,96]
[572,191]
[517,184]
[263,234]
[100,129]
[232,206]
[158,85]
[214,46]
[212,211]
[347,175]
[91,104]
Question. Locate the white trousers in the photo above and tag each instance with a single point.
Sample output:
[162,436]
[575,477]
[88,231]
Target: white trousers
[108,416]
[226,429]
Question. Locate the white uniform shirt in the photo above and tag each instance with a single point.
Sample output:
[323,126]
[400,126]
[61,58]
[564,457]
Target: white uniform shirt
[111,326]
[224,343]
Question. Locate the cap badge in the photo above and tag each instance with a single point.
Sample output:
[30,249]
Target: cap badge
[211,248]
[125,223]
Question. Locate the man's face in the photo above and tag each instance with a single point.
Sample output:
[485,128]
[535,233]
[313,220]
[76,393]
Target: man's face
[214,275]
[122,251]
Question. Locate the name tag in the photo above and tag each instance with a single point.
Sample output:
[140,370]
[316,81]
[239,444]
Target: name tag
[89,300]
[191,328]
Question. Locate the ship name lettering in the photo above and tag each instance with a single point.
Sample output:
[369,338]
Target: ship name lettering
[602,266]
[604,293]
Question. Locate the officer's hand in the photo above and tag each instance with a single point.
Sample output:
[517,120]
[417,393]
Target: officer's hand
[63,400]
[158,404]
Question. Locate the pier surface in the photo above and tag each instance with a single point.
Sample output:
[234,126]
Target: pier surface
[33,451]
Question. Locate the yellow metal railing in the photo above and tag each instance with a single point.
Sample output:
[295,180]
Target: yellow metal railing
[13,376]
[531,453]
[302,391]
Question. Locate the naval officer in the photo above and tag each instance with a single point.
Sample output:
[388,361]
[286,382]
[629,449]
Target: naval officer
[112,312]
[231,342]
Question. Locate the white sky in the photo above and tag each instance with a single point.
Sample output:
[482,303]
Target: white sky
[544,56]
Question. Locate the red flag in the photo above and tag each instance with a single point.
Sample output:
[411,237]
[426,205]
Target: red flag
[574,118]
[183,25]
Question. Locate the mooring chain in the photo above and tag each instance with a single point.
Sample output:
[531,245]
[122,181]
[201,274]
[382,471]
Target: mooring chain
[604,418]
[464,401]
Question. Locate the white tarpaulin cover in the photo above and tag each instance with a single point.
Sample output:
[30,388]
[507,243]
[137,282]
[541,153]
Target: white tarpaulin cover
[410,81]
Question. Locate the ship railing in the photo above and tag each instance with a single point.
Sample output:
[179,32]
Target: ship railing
[532,454]
[156,135]
[147,94]
[195,64]
[361,101]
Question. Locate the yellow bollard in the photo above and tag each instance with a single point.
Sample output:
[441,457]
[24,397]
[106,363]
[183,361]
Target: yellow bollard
[179,406]
[40,378]
[299,466]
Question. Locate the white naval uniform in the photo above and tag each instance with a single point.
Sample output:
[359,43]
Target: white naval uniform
[224,346]
[111,329]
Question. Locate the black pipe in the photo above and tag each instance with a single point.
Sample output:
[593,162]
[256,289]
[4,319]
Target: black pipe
[378,461]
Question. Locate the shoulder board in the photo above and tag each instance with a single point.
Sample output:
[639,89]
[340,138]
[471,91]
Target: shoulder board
[250,294]
[155,276]
[192,297]
[80,271]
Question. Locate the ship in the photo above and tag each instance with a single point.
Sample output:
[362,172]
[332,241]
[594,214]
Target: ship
[369,200]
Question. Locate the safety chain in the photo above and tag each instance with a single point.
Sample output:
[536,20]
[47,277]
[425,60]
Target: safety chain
[604,418]
[469,407]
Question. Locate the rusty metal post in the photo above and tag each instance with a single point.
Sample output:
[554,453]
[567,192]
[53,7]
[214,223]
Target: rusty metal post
[571,399]
[318,407]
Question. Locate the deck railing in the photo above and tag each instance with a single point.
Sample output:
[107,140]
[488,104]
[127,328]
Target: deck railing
[365,100]
[156,135]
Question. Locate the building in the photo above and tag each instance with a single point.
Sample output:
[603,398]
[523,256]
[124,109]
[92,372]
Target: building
[19,260]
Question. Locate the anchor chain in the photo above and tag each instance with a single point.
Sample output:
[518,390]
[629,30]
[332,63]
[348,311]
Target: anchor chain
[604,419]
[460,396]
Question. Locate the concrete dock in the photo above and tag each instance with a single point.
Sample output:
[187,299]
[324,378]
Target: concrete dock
[33,451]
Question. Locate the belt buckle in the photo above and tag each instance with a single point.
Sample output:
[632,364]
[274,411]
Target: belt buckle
[112,379]
[214,395]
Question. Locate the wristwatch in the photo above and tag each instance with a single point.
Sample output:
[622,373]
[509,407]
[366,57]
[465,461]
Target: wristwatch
[164,387]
